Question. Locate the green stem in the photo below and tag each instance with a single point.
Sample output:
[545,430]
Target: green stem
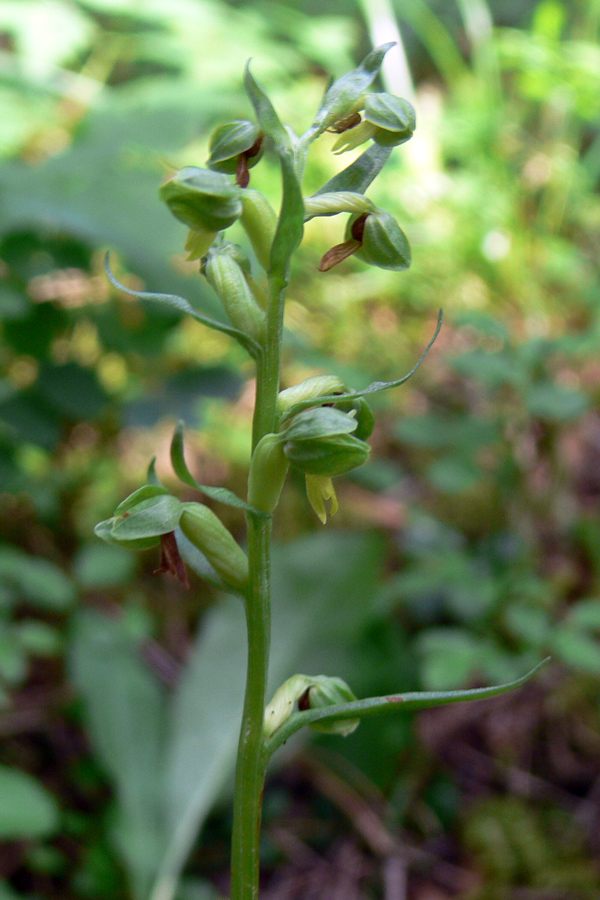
[250,772]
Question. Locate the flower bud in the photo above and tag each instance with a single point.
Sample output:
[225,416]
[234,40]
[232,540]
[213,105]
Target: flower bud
[309,389]
[234,148]
[382,241]
[203,200]
[325,691]
[260,223]
[282,705]
[268,469]
[387,119]
[227,278]
[206,532]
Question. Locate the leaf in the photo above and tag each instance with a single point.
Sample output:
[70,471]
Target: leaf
[27,809]
[394,703]
[329,579]
[39,581]
[184,306]
[221,494]
[577,649]
[585,615]
[552,401]
[359,175]
[290,225]
[344,92]
[124,709]
[373,388]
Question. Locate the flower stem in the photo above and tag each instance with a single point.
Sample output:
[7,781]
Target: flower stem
[250,771]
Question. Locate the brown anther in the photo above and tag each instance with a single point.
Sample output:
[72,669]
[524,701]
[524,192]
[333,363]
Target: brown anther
[345,124]
[171,560]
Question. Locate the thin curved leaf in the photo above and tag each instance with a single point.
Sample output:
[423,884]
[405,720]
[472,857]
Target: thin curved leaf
[360,174]
[373,388]
[221,494]
[392,703]
[184,306]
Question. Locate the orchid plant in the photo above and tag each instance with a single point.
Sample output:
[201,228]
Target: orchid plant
[319,427]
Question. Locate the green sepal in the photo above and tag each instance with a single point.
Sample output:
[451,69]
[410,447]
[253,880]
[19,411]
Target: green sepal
[228,141]
[220,494]
[202,199]
[327,456]
[184,306]
[144,493]
[103,530]
[142,518]
[365,420]
[393,117]
[320,422]
[383,243]
[343,93]
[329,691]
[374,388]
[290,225]
[392,703]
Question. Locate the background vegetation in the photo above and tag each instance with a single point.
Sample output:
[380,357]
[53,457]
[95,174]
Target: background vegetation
[467,548]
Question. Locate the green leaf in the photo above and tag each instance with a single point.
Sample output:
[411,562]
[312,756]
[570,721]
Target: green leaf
[38,580]
[103,566]
[391,704]
[578,649]
[329,579]
[27,810]
[373,388]
[290,225]
[221,494]
[124,711]
[344,92]
[183,305]
[552,401]
[360,174]
[585,615]
[320,422]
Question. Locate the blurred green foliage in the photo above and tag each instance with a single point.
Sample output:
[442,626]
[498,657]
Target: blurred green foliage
[483,485]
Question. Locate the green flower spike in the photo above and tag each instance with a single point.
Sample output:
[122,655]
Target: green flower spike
[235,148]
[387,119]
